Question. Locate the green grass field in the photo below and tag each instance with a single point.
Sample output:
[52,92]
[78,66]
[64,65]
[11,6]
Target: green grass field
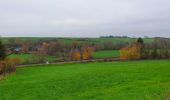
[137,80]
[26,57]
[106,54]
[21,56]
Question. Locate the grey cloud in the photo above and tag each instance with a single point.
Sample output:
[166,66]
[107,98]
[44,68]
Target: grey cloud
[84,18]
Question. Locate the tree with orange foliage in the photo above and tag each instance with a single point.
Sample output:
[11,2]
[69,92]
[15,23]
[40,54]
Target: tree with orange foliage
[75,55]
[8,65]
[131,53]
[87,53]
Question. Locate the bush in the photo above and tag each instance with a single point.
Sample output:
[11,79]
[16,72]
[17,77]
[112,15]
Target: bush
[76,55]
[2,67]
[130,53]
[8,65]
[87,53]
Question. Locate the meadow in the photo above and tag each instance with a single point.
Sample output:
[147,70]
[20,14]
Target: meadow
[106,54]
[135,80]
[25,58]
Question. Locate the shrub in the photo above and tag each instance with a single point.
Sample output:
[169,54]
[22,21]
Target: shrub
[76,55]
[87,53]
[130,53]
[2,67]
[8,65]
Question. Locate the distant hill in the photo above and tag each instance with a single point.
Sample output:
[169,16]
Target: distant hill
[114,40]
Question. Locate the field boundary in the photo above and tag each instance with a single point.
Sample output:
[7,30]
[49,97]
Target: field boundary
[70,62]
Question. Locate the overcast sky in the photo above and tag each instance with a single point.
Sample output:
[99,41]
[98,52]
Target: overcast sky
[84,18]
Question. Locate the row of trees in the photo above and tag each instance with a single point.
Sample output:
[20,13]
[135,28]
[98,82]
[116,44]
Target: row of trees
[52,48]
[15,45]
[159,49]
[75,51]
[84,53]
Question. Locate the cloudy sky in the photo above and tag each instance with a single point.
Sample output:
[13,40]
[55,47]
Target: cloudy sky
[84,18]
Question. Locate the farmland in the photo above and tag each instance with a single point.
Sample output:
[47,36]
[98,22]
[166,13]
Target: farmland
[135,80]
[27,57]
[84,50]
[106,54]
[76,79]
[100,54]
[80,40]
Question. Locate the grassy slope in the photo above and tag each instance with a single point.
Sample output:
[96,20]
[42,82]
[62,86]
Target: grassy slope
[106,54]
[143,80]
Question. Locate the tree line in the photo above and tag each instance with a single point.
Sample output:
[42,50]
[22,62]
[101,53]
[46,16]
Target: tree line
[72,51]
[158,49]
